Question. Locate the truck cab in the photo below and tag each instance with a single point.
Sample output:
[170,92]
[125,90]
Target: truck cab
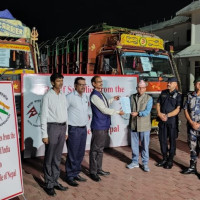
[16,52]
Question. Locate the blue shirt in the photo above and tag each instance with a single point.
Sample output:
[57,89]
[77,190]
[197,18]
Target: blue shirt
[78,109]
[147,109]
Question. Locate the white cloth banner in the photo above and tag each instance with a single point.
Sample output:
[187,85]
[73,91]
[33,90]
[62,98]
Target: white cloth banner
[35,86]
[11,182]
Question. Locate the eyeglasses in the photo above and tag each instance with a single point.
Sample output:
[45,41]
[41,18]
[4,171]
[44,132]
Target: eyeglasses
[82,85]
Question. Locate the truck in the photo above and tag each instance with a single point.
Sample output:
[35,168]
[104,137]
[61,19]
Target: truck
[18,52]
[103,49]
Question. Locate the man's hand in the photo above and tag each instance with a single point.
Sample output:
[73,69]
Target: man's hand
[163,117]
[134,114]
[45,140]
[195,125]
[121,112]
[66,137]
[116,98]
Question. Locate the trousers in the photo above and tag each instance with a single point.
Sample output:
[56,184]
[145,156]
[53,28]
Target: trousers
[167,130]
[53,152]
[75,150]
[96,150]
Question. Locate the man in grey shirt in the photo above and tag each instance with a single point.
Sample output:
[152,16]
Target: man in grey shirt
[54,132]
[78,111]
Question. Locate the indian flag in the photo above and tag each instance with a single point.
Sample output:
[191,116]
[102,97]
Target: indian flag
[4,108]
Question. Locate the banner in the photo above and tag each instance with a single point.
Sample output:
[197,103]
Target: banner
[35,86]
[11,182]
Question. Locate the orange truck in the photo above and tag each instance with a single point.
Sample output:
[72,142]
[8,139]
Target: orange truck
[17,52]
[104,49]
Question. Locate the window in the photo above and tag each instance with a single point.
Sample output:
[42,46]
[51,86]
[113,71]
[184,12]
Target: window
[188,35]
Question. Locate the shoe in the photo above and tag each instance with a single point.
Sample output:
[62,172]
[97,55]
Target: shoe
[103,173]
[192,169]
[168,165]
[161,163]
[60,187]
[50,191]
[72,182]
[95,177]
[132,165]
[146,168]
[79,178]
[189,171]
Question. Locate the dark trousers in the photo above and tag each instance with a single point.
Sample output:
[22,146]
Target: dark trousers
[53,153]
[75,150]
[167,131]
[96,150]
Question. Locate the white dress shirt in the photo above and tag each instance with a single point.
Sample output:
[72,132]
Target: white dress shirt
[102,105]
[54,109]
[78,109]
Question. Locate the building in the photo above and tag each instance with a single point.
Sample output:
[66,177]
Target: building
[183,31]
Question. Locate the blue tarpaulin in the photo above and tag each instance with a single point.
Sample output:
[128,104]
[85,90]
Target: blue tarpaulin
[5,14]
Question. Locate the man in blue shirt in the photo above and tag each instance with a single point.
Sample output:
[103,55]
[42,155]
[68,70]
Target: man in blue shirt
[140,122]
[78,108]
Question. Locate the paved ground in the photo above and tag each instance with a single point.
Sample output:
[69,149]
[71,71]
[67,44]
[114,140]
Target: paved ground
[122,184]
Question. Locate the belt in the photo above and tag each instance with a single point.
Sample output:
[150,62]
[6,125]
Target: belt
[77,126]
[55,123]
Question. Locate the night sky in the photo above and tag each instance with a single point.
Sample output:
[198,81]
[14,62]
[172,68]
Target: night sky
[58,18]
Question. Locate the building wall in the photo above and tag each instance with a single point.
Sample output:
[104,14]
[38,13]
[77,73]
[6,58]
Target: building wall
[178,35]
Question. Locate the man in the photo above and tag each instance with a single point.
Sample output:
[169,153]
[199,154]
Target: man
[78,106]
[192,114]
[140,122]
[54,132]
[100,125]
[168,107]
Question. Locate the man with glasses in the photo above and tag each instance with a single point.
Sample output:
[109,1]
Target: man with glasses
[100,125]
[78,110]
[168,107]
[140,122]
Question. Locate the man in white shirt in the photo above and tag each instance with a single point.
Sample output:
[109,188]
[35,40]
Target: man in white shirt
[100,125]
[78,110]
[54,132]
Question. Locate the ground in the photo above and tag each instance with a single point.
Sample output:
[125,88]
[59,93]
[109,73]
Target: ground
[123,183]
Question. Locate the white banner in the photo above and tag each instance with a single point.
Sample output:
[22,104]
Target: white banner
[35,86]
[11,182]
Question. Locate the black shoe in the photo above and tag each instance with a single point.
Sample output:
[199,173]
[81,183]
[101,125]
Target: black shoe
[60,187]
[79,178]
[168,165]
[72,182]
[50,191]
[102,173]
[161,163]
[189,171]
[95,177]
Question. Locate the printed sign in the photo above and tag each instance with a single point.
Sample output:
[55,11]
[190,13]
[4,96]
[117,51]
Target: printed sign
[34,87]
[13,28]
[139,41]
[11,182]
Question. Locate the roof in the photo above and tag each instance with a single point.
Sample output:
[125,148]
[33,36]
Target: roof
[191,51]
[176,20]
[187,11]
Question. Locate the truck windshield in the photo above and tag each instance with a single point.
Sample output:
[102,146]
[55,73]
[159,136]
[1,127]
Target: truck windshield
[16,59]
[147,65]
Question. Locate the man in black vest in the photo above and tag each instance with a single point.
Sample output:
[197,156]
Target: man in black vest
[100,126]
